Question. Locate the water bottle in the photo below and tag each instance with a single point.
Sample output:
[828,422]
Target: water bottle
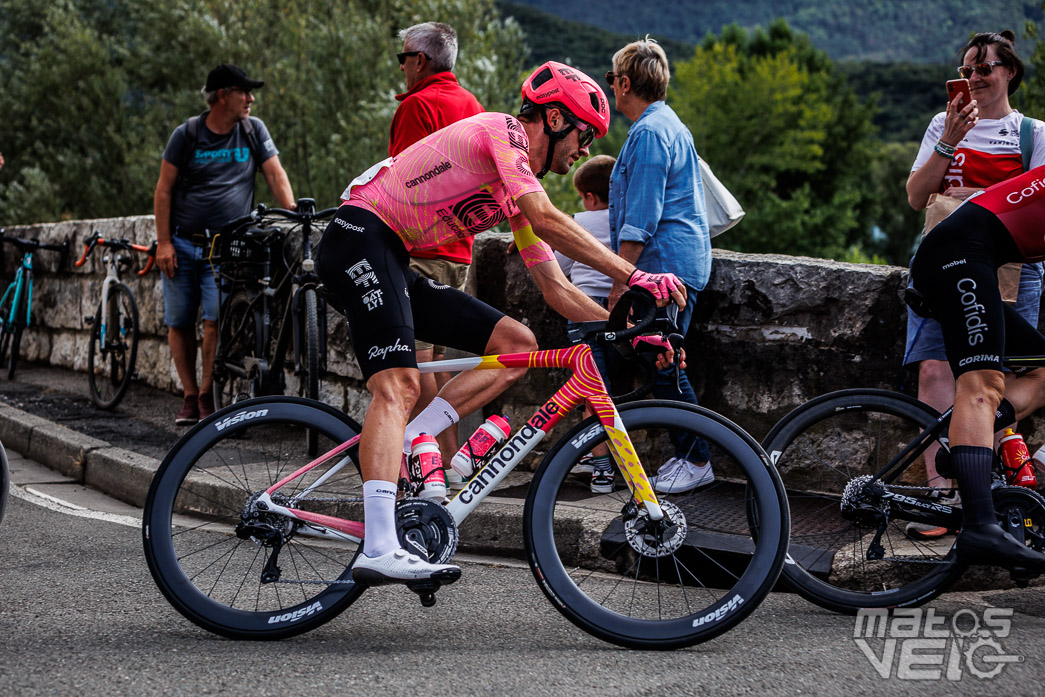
[483,443]
[1019,469]
[426,467]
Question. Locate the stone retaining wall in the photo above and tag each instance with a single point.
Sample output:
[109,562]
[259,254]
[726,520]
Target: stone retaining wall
[769,331]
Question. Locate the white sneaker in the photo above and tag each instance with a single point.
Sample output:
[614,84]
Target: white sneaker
[679,474]
[584,466]
[400,566]
[453,479]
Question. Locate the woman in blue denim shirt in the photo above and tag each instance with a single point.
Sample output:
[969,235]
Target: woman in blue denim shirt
[658,220]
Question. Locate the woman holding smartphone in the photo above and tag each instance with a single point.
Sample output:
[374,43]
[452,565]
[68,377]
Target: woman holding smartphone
[968,147]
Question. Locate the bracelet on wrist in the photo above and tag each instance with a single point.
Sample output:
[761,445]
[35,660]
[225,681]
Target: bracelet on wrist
[944,150]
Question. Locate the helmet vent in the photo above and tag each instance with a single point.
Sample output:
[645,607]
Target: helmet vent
[541,78]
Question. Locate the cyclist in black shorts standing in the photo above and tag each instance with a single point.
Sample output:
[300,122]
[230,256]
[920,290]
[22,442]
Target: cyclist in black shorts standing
[955,270]
[454,183]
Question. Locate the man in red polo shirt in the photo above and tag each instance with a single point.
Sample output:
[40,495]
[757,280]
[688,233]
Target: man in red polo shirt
[433,100]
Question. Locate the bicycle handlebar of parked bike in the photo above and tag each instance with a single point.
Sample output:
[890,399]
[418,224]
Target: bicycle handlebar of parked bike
[306,212]
[96,240]
[35,245]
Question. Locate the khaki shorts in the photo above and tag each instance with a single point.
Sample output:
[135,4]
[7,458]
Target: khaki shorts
[449,273]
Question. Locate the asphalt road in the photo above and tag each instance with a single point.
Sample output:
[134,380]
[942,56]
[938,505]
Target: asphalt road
[81,616]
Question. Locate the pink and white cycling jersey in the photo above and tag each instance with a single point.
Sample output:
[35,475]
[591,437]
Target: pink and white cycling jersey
[455,183]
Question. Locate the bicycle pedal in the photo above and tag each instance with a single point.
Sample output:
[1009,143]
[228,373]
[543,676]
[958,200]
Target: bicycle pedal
[427,588]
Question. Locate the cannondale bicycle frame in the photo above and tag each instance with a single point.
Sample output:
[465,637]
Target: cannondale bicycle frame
[585,385]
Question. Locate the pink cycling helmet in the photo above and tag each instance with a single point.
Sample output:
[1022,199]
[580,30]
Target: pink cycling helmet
[556,83]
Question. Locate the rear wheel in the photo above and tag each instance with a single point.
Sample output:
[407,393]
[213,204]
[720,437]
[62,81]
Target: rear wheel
[227,562]
[841,563]
[110,360]
[640,583]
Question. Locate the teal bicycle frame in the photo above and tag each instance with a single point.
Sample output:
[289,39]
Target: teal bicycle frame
[23,283]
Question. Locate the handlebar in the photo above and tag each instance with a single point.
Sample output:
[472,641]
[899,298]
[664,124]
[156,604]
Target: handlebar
[35,245]
[306,212]
[96,240]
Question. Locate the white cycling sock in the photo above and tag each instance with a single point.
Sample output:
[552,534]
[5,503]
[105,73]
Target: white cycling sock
[433,420]
[379,509]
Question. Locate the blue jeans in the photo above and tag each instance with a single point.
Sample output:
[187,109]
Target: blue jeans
[194,283]
[686,445]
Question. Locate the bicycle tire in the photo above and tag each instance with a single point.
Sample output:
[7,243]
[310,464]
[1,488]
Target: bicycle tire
[818,448]
[714,570]
[212,577]
[5,481]
[5,343]
[310,379]
[233,348]
[110,368]
[12,357]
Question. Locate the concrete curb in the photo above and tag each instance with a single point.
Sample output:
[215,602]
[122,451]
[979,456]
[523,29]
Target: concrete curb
[493,528]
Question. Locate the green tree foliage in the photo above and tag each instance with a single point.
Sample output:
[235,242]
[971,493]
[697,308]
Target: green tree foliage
[92,89]
[879,30]
[785,134]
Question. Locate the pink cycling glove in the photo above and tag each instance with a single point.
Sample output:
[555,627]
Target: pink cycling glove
[659,284]
[655,340]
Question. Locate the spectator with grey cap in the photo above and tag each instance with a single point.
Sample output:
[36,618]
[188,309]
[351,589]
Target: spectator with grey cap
[206,179]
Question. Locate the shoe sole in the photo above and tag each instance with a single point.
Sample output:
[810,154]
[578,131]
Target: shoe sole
[931,534]
[373,577]
[606,489]
[186,422]
[670,489]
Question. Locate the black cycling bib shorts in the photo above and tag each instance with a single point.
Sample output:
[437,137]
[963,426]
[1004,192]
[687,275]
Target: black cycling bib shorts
[956,269]
[365,265]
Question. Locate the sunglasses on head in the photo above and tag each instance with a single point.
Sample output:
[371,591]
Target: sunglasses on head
[585,132]
[409,54]
[984,69]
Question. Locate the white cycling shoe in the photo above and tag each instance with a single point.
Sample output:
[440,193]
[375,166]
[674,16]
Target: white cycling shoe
[400,566]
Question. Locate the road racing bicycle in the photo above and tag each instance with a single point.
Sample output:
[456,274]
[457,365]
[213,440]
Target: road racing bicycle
[17,301]
[249,538]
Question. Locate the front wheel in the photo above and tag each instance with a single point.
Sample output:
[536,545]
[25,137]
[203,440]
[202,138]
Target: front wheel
[114,347]
[640,583]
[5,480]
[840,562]
[238,342]
[230,564]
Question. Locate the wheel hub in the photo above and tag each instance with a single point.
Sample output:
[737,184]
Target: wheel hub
[657,538]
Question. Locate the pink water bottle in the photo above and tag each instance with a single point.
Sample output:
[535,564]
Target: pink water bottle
[483,443]
[426,467]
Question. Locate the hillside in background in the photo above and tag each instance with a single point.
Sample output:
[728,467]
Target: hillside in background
[928,31]
[907,93]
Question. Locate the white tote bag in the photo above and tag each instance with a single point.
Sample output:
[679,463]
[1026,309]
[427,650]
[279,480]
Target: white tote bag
[723,210]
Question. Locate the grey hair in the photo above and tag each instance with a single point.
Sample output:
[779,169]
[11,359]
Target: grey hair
[438,41]
[211,97]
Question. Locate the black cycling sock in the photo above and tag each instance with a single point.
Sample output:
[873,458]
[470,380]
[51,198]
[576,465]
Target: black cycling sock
[972,465]
[1005,416]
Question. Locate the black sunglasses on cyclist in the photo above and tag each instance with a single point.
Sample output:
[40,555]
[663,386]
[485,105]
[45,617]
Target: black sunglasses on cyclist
[585,132]
[409,54]
[984,69]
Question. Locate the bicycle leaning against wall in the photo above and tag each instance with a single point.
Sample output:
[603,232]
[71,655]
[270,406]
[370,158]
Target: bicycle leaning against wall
[269,304]
[17,301]
[113,349]
[249,538]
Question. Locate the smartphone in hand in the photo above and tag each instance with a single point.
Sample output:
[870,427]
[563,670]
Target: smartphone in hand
[959,87]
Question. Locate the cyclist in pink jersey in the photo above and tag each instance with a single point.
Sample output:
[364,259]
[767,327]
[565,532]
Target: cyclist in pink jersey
[461,180]
[955,274]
